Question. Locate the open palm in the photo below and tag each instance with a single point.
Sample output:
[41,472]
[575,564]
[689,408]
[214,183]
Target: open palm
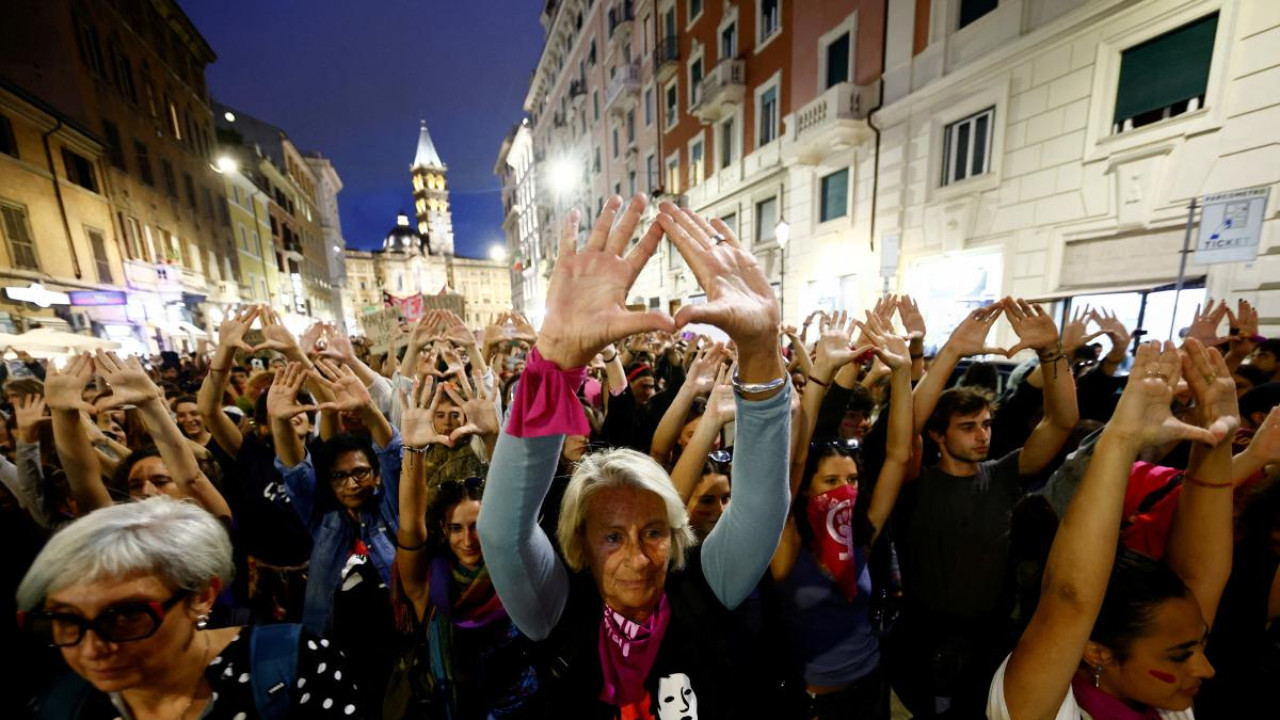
[130,384]
[586,302]
[1143,413]
[417,414]
[1210,381]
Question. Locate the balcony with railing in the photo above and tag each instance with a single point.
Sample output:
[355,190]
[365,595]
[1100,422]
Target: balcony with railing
[578,92]
[666,58]
[720,91]
[621,19]
[834,120]
[624,88]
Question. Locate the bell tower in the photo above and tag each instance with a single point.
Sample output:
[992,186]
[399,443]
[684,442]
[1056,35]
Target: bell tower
[431,196]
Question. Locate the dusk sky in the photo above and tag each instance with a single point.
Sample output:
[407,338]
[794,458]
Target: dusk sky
[352,79]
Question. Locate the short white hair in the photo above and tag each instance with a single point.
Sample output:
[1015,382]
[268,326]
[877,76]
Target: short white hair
[615,469]
[175,539]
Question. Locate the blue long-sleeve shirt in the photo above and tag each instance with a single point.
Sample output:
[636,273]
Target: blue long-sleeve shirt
[533,582]
[335,533]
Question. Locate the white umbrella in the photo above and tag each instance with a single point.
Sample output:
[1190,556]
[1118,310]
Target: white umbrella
[50,339]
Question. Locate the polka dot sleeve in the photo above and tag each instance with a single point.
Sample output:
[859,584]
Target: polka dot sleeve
[324,688]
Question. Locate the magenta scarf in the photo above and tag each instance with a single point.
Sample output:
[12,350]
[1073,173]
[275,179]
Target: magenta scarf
[627,653]
[830,517]
[1102,706]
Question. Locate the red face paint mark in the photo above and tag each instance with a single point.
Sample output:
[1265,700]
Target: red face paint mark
[1163,676]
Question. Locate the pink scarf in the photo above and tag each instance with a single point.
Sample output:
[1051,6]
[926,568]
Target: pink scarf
[627,653]
[831,520]
[1102,706]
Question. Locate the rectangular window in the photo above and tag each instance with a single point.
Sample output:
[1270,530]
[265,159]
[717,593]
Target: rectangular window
[132,237]
[124,75]
[1165,76]
[648,106]
[17,231]
[696,167]
[729,41]
[244,238]
[91,49]
[595,165]
[768,117]
[8,143]
[191,190]
[967,147]
[79,170]
[100,259]
[595,105]
[170,181]
[631,126]
[695,9]
[115,152]
[631,177]
[770,20]
[591,54]
[695,81]
[257,244]
[731,220]
[838,61]
[673,174]
[971,10]
[673,101]
[766,220]
[651,169]
[173,121]
[144,163]
[726,142]
[615,141]
[835,195]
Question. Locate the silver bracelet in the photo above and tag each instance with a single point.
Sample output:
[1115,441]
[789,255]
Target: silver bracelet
[756,388]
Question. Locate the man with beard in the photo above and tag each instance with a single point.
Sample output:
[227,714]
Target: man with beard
[953,521]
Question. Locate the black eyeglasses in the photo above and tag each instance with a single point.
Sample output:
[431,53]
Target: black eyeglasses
[472,483]
[361,475]
[126,622]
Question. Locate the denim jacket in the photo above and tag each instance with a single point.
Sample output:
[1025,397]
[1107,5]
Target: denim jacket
[335,533]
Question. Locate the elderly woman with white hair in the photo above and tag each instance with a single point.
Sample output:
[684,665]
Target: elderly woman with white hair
[125,593]
[635,616]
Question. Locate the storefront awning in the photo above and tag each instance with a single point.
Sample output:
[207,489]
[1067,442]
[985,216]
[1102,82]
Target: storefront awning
[1189,282]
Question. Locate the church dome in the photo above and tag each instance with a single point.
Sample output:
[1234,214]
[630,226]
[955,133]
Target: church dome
[402,237]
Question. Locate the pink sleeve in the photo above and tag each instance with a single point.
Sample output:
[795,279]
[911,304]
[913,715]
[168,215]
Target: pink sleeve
[546,401]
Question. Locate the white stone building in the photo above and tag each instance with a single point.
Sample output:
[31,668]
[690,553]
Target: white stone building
[1049,149]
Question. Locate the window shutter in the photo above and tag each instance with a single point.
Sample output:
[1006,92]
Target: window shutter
[1167,69]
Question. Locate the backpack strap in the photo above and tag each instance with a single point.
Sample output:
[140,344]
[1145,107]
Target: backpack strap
[273,663]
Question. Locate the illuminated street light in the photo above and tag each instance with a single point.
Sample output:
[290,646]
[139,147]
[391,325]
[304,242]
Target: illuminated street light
[564,176]
[783,232]
[227,164]
[230,116]
[498,253]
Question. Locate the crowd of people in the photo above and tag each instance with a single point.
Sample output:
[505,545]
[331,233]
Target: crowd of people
[612,516]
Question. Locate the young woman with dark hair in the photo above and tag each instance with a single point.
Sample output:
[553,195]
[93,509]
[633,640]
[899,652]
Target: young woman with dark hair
[1121,639]
[821,562]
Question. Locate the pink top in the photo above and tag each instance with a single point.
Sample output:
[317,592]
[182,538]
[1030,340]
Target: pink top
[546,401]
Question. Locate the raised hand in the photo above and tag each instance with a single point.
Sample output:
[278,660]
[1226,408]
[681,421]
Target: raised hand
[912,319]
[349,392]
[480,410]
[337,346]
[418,412]
[310,341]
[1035,329]
[233,329]
[702,372]
[456,332]
[130,384]
[1210,381]
[1076,333]
[1265,443]
[1243,325]
[427,329]
[275,335]
[29,413]
[282,398]
[722,408]
[495,331]
[970,336]
[586,302]
[740,300]
[64,390]
[834,346]
[891,349]
[524,328]
[1142,417]
[1204,326]
[1109,324]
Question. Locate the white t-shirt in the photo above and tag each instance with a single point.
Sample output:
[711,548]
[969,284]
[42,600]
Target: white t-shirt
[997,710]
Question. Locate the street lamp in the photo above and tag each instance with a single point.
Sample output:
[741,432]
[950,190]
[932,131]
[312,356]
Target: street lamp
[782,233]
[498,253]
[564,176]
[227,164]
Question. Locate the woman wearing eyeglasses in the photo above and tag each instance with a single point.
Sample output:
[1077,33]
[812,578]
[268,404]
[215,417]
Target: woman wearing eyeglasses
[702,473]
[821,563]
[348,497]
[125,593]
[466,659]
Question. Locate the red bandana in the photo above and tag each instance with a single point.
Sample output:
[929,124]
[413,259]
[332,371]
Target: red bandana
[831,520]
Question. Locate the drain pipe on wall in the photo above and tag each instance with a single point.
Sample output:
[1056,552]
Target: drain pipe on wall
[875,170]
[62,208]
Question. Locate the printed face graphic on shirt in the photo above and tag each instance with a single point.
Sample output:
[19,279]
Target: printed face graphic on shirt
[676,699]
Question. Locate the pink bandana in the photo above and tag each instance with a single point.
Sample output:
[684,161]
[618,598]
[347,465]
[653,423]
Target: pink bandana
[546,401]
[831,520]
[627,653]
[1102,706]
